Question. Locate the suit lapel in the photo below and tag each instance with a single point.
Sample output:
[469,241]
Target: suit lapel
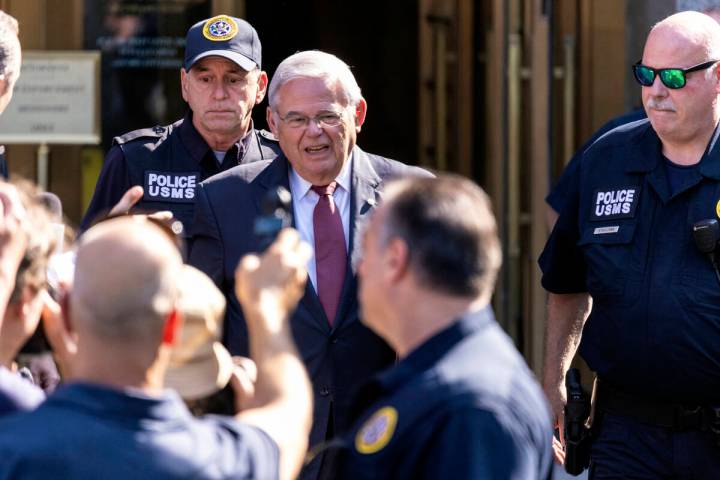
[275,174]
[364,196]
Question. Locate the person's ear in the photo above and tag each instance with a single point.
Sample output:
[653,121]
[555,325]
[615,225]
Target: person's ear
[360,112]
[4,84]
[171,330]
[262,87]
[184,84]
[397,258]
[271,121]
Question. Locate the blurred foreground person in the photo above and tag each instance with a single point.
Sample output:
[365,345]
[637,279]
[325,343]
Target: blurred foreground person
[112,418]
[29,233]
[43,273]
[461,402]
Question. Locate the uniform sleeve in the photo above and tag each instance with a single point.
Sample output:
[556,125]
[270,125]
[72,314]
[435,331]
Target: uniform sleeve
[474,444]
[242,450]
[113,182]
[559,193]
[562,262]
[206,249]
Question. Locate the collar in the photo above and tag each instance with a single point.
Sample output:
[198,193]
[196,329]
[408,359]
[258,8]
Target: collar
[647,154]
[300,187]
[122,404]
[198,147]
[710,165]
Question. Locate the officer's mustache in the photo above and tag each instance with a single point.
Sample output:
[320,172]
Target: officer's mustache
[660,105]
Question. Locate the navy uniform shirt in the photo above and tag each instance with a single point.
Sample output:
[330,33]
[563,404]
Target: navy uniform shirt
[168,162]
[561,191]
[626,239]
[463,405]
[90,432]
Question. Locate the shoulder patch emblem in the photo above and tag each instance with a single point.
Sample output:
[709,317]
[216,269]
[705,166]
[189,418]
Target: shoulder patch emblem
[377,431]
[220,28]
[717,209]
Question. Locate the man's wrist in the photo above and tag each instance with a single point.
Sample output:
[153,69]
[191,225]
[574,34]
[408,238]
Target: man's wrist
[267,313]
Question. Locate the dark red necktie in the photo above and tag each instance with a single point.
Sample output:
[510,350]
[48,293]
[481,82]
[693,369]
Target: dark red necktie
[330,251]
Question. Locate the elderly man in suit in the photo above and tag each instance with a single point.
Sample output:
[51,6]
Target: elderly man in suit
[316,111]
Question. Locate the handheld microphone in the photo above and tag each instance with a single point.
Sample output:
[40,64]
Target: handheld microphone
[706,234]
[275,215]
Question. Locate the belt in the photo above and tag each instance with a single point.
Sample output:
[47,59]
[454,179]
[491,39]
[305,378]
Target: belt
[675,416]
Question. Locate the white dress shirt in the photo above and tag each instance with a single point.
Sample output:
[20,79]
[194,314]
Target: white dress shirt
[304,201]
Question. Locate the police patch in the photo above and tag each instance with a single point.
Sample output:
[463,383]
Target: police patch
[220,28]
[377,431]
[174,187]
[614,203]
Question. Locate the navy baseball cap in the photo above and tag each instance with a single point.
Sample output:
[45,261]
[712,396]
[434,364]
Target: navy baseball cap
[223,36]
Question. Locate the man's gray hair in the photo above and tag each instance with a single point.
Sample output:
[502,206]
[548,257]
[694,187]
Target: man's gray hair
[9,48]
[315,64]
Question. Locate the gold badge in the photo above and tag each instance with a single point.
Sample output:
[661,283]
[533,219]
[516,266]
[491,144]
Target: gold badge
[717,209]
[377,431]
[220,28]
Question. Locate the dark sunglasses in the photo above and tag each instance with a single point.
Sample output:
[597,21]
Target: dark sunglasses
[670,77]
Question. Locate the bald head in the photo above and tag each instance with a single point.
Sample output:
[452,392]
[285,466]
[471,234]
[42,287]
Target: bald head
[684,118]
[694,30]
[124,286]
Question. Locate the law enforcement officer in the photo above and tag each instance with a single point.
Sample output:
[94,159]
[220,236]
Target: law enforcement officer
[112,418]
[558,195]
[461,403]
[626,241]
[221,81]
[10,59]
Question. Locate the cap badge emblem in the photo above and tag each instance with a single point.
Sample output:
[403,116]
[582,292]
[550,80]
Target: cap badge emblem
[220,28]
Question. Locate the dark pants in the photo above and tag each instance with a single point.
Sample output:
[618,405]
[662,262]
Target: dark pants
[628,449]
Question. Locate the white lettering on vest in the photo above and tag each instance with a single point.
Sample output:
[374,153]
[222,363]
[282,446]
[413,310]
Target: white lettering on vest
[614,202]
[170,186]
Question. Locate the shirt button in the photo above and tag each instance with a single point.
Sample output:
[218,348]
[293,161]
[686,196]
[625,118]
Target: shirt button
[324,391]
[333,340]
